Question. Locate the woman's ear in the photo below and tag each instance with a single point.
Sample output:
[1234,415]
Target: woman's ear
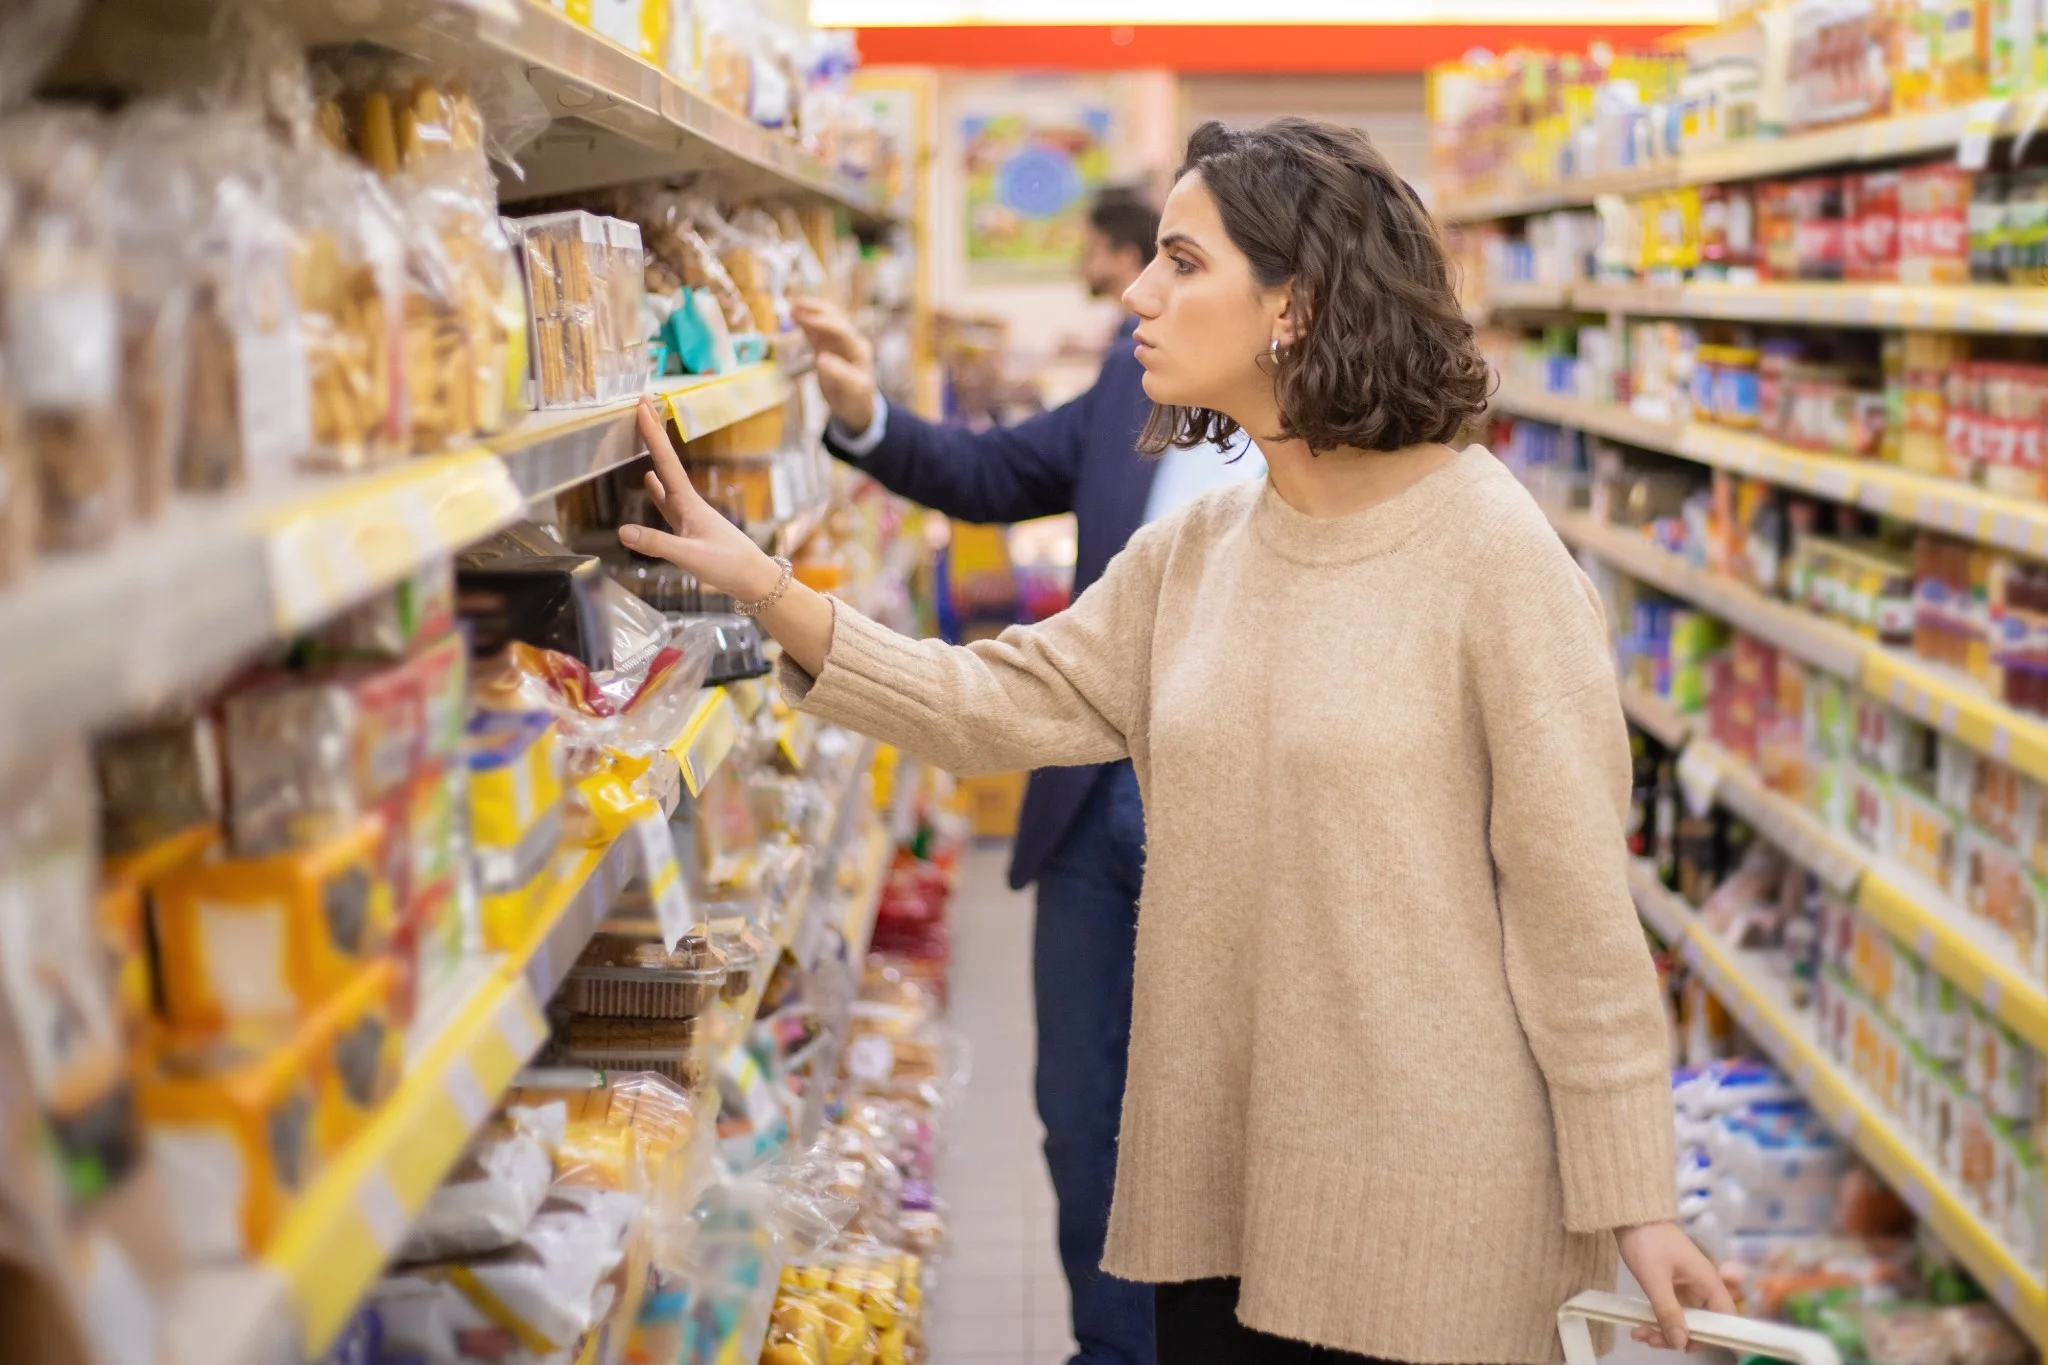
[1286,321]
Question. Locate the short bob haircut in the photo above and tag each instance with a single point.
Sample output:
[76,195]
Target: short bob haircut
[1383,357]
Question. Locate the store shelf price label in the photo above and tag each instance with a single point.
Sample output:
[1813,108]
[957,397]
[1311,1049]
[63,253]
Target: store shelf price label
[381,1209]
[1980,128]
[1699,777]
[664,879]
[467,1093]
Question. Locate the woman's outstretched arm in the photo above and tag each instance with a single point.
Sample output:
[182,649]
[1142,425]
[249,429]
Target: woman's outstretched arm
[1070,690]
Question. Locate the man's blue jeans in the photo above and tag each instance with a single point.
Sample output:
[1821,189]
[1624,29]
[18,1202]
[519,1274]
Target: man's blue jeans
[1086,942]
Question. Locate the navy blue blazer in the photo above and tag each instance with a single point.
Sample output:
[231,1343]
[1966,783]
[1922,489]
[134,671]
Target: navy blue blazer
[1082,458]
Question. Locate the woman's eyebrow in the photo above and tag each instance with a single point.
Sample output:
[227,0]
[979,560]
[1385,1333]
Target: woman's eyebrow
[1182,240]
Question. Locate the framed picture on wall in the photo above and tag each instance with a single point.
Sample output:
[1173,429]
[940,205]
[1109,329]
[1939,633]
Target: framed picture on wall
[1030,174]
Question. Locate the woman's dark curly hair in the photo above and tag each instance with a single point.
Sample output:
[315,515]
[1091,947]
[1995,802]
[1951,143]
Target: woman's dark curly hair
[1383,356]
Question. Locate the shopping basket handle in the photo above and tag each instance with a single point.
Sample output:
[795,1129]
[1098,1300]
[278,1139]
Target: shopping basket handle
[1709,1329]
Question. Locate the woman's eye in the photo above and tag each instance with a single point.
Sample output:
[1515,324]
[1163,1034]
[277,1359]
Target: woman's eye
[1182,267]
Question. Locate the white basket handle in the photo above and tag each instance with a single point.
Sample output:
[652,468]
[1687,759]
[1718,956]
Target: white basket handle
[1709,1329]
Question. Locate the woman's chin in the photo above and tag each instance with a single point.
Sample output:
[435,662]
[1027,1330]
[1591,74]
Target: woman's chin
[1163,391]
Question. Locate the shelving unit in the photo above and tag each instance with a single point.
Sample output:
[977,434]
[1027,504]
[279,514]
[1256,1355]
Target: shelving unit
[471,1038]
[1652,713]
[1761,1002]
[1952,308]
[1869,142]
[1958,509]
[617,117]
[1819,642]
[1911,910]
[551,451]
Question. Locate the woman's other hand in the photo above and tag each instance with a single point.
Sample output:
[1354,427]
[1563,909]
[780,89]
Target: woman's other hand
[1675,1275]
[721,555]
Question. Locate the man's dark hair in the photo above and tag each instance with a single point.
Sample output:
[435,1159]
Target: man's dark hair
[1384,356]
[1127,221]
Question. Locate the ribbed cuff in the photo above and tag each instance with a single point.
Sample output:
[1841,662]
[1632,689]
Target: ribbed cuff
[854,689]
[1617,1153]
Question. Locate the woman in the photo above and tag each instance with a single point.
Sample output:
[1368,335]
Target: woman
[1398,1081]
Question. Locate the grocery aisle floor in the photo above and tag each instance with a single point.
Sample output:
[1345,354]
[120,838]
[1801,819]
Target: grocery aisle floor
[1000,1298]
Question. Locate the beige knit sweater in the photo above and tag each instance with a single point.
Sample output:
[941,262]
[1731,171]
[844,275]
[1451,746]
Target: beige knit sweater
[1397,1057]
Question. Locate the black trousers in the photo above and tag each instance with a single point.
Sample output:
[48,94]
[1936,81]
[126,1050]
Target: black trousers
[1197,1325]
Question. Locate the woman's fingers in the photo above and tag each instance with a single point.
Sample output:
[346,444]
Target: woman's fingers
[654,432]
[677,550]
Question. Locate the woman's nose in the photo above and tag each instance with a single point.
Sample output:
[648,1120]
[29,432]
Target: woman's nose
[1140,298]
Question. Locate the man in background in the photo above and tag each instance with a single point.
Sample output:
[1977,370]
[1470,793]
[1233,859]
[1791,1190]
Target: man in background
[1081,835]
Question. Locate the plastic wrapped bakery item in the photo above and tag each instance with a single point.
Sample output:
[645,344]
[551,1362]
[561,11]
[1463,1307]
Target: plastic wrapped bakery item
[679,1049]
[156,779]
[348,273]
[156,210]
[495,1190]
[248,414]
[628,283]
[58,985]
[420,607]
[629,977]
[659,1151]
[530,1303]
[62,335]
[568,274]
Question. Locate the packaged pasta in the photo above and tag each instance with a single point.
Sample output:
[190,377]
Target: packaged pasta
[567,257]
[247,414]
[62,333]
[348,282]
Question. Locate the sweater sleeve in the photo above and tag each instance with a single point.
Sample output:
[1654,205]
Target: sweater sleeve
[1577,964]
[1069,690]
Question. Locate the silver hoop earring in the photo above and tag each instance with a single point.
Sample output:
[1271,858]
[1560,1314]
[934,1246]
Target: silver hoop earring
[1273,350]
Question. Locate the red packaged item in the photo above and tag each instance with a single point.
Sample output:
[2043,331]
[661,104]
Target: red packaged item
[1819,230]
[1934,226]
[1873,213]
[1776,238]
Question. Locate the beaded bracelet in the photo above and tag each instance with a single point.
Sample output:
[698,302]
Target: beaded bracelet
[781,587]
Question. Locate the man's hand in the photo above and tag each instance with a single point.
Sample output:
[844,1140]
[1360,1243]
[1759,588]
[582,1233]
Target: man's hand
[1675,1275]
[846,363]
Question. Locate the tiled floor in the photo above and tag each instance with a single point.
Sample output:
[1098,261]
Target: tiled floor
[1000,1298]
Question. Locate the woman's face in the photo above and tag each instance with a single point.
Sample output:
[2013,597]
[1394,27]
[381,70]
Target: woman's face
[1203,321]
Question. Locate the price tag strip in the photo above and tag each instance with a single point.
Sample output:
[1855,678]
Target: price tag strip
[1851,1109]
[348,537]
[352,1219]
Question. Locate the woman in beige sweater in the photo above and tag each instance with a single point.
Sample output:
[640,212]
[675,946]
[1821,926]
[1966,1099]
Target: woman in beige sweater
[1398,1080]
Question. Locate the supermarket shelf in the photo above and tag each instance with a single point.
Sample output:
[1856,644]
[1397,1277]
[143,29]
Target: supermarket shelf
[1952,308]
[1957,706]
[1652,713]
[618,118]
[1941,504]
[1875,140]
[547,452]
[1946,701]
[1531,297]
[1734,784]
[170,607]
[1956,947]
[1664,910]
[1611,420]
[878,852]
[1819,642]
[470,1039]
[1760,1003]
[707,740]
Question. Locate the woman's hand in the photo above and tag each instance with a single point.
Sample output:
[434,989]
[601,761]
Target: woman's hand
[721,555]
[1675,1275]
